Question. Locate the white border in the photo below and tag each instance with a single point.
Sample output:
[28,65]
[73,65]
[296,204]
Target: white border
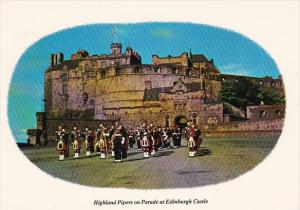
[273,185]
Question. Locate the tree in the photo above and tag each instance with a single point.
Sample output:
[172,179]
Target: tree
[240,93]
[270,96]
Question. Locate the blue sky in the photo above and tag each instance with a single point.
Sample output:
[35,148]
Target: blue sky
[232,52]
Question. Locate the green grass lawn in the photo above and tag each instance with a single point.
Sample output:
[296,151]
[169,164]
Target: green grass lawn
[221,159]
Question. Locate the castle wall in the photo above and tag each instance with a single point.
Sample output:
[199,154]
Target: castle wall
[127,90]
[118,92]
[265,111]
[182,60]
[259,127]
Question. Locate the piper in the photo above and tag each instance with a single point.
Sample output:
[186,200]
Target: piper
[61,142]
[88,142]
[75,133]
[191,146]
[131,138]
[117,141]
[145,145]
[138,138]
[61,148]
[102,148]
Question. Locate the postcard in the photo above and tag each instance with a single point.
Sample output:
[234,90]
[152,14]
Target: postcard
[144,105]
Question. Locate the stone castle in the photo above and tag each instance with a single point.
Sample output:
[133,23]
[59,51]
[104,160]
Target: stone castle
[87,89]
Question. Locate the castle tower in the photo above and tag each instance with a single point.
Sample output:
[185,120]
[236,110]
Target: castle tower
[116,49]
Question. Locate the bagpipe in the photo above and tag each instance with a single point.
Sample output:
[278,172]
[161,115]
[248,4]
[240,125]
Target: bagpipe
[154,143]
[76,145]
[101,147]
[101,144]
[60,145]
[88,145]
[191,144]
[86,142]
[61,148]
[137,137]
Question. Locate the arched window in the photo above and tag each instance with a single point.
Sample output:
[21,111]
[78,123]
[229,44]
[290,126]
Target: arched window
[118,71]
[273,84]
[278,113]
[92,102]
[262,113]
[103,74]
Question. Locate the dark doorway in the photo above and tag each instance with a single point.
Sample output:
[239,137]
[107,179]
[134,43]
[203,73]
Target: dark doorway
[181,121]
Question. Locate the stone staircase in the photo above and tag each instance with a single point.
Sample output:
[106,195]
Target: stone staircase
[234,111]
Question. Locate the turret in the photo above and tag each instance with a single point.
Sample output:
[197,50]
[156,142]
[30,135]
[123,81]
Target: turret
[132,57]
[116,49]
[80,54]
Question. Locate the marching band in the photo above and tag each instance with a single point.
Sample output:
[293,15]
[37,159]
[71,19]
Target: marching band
[117,140]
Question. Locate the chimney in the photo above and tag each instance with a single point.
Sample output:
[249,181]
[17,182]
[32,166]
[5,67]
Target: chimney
[54,59]
[51,60]
[60,57]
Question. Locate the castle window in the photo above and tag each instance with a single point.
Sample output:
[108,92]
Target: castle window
[103,74]
[273,84]
[262,114]
[83,87]
[167,120]
[278,113]
[156,69]
[64,77]
[175,71]
[103,64]
[92,102]
[188,72]
[85,97]
[118,71]
[64,89]
[137,69]
[148,85]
